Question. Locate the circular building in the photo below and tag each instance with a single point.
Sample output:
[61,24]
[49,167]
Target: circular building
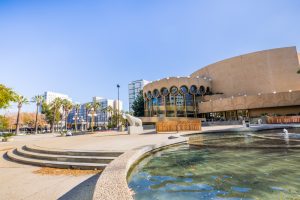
[246,86]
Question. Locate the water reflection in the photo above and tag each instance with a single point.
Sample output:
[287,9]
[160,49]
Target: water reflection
[187,172]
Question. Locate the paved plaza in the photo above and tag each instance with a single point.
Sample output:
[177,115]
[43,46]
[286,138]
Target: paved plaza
[19,181]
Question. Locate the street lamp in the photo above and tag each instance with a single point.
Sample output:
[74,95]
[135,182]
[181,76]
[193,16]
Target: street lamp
[118,86]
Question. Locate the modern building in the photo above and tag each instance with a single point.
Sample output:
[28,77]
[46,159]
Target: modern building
[245,86]
[50,96]
[118,105]
[101,116]
[134,88]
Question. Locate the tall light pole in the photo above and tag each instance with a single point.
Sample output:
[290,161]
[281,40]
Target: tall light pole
[118,86]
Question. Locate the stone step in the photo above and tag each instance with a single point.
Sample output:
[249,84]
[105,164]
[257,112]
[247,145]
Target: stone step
[57,164]
[70,152]
[64,158]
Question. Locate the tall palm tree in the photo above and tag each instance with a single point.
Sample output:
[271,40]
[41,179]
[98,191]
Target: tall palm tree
[20,101]
[38,99]
[55,106]
[96,106]
[88,107]
[77,107]
[109,110]
[67,107]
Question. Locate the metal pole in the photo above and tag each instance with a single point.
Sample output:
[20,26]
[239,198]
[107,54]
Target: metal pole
[118,86]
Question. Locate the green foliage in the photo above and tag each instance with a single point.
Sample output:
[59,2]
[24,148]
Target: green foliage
[49,110]
[138,106]
[38,99]
[4,123]
[7,135]
[7,95]
[114,120]
[21,100]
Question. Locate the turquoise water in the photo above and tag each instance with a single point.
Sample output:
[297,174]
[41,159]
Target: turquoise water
[190,173]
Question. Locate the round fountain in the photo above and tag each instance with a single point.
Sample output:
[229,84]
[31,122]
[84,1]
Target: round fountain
[253,165]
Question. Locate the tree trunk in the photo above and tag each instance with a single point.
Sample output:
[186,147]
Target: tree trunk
[18,120]
[36,118]
[53,123]
[75,124]
[66,120]
[86,120]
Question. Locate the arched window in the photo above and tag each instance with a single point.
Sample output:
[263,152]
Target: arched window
[202,90]
[184,90]
[164,91]
[207,90]
[149,95]
[174,90]
[155,93]
[193,89]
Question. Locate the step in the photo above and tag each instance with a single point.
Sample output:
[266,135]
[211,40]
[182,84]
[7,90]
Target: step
[57,164]
[64,158]
[44,150]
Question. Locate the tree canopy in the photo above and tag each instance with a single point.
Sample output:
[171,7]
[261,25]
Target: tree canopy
[7,95]
[138,105]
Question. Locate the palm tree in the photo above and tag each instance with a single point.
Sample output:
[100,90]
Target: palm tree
[95,106]
[77,107]
[88,107]
[20,101]
[55,106]
[109,110]
[67,107]
[38,99]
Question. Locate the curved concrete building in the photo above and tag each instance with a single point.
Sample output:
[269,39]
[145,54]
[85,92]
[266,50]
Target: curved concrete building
[250,85]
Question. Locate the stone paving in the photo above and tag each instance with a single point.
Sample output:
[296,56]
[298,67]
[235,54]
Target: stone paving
[19,182]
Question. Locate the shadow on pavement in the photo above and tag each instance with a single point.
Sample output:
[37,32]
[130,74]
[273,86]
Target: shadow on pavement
[83,191]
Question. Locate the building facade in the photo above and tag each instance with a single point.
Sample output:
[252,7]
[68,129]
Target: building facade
[246,86]
[50,96]
[101,116]
[134,88]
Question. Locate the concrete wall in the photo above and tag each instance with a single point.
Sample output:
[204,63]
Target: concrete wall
[275,111]
[253,73]
[178,82]
[251,102]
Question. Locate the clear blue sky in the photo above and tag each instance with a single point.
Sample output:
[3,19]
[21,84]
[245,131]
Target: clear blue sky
[84,48]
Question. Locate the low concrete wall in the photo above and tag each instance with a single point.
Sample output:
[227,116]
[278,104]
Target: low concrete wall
[112,183]
[283,120]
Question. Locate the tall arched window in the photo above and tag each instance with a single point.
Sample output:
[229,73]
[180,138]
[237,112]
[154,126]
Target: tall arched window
[202,90]
[193,89]
[184,90]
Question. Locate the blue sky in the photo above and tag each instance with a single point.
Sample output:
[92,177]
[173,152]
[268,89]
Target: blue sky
[84,48]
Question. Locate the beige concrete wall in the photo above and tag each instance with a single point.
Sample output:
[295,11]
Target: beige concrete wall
[275,111]
[258,72]
[251,102]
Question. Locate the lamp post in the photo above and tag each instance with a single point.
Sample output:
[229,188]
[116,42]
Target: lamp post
[118,86]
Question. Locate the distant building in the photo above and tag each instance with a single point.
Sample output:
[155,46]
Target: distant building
[50,96]
[102,116]
[116,107]
[134,88]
